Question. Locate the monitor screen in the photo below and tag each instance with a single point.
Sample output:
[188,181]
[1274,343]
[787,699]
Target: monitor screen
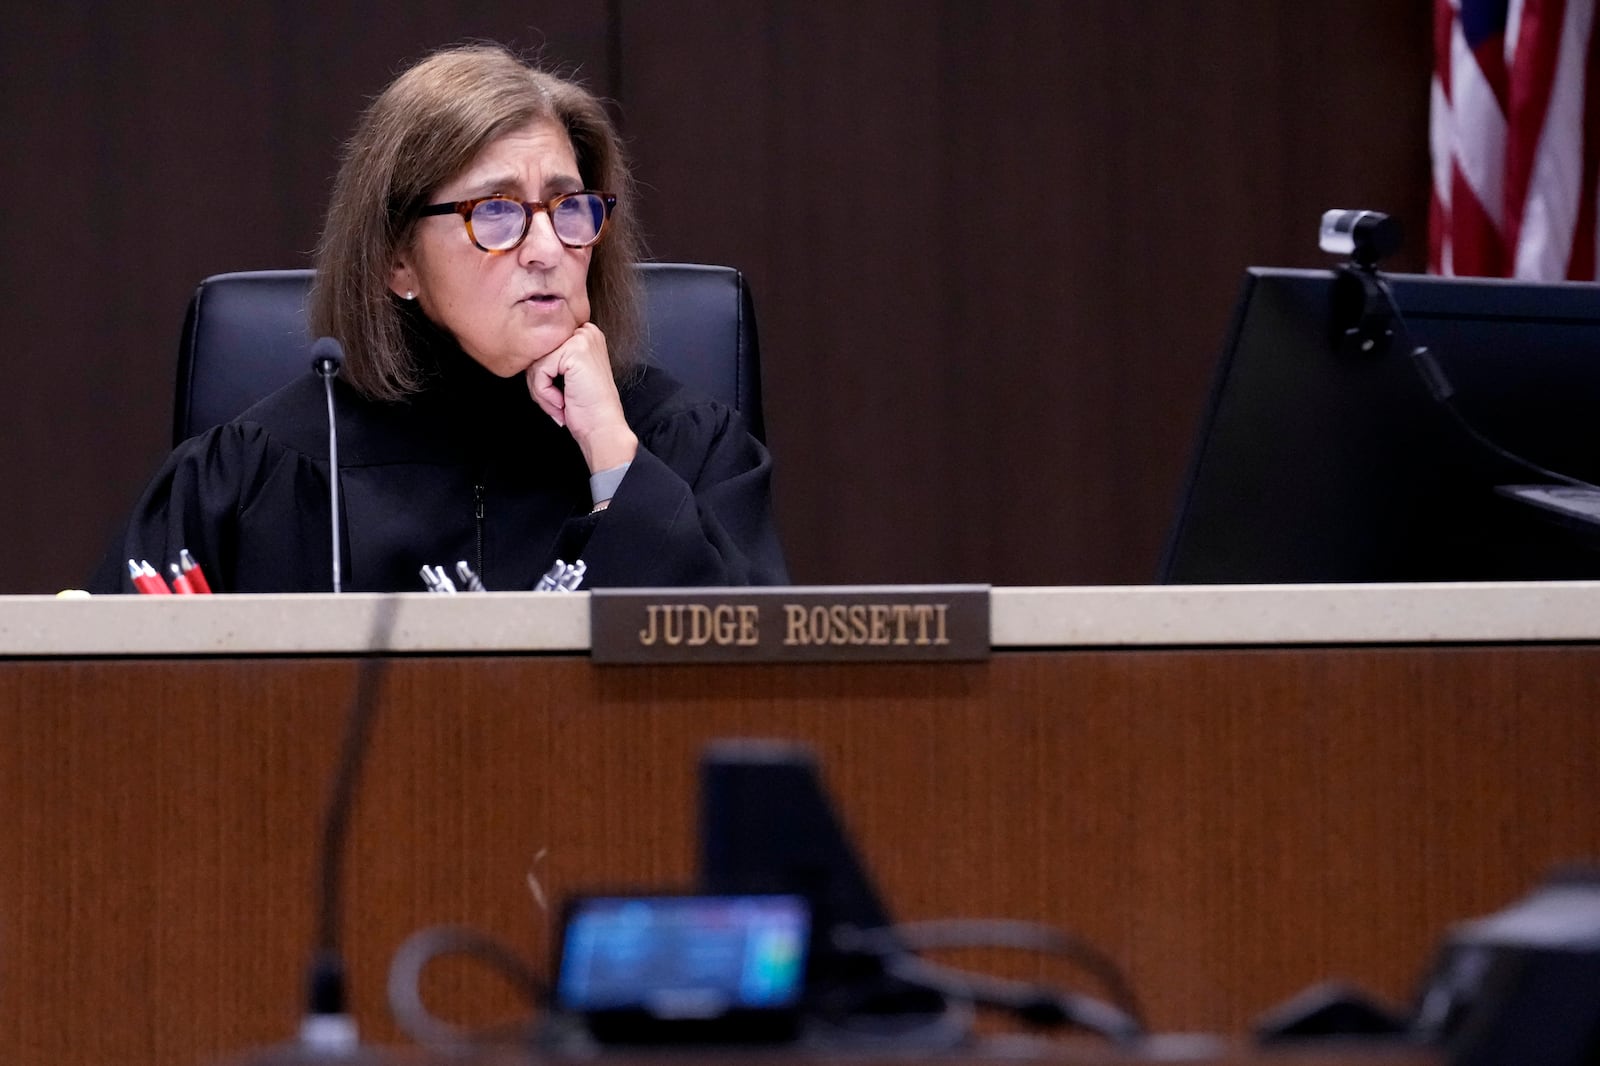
[767,825]
[1319,462]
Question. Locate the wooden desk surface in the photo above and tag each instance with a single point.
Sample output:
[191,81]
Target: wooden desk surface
[1020,618]
[1232,824]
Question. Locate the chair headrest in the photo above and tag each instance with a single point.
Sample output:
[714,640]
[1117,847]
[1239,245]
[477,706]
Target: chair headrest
[245,336]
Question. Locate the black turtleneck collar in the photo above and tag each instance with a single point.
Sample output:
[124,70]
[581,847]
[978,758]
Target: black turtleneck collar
[455,384]
[463,411]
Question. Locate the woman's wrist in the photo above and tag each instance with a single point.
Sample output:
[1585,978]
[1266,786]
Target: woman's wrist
[604,484]
[604,450]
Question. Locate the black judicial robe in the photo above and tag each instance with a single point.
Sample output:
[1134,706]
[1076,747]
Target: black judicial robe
[470,468]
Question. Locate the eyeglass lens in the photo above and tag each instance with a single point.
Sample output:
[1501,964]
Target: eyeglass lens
[498,224]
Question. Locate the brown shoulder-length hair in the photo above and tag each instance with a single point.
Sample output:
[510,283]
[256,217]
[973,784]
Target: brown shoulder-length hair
[424,129]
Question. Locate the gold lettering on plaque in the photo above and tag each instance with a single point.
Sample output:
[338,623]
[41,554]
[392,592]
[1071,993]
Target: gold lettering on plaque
[858,624]
[695,625]
[700,623]
[880,623]
[795,628]
[749,619]
[876,624]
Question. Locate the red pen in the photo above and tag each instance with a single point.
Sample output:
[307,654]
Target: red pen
[153,582]
[192,571]
[180,584]
[146,580]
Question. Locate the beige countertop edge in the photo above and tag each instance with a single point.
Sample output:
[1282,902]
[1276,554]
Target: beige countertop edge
[1295,614]
[271,625]
[1098,616]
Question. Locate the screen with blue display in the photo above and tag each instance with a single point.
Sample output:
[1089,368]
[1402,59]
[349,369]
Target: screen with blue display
[684,957]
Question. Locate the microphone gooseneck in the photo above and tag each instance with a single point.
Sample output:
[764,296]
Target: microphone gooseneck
[327,1028]
[327,357]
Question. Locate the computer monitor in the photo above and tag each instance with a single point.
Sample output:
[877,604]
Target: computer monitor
[1320,462]
[767,825]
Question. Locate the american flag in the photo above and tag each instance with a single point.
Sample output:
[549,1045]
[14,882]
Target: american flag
[1515,135]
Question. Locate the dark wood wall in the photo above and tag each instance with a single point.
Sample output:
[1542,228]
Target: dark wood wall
[994,246]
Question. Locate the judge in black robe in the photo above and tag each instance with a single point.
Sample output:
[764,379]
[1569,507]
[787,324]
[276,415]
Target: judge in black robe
[476,265]
[468,469]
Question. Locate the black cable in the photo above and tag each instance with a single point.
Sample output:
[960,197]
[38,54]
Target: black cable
[1438,384]
[1036,1003]
[835,1026]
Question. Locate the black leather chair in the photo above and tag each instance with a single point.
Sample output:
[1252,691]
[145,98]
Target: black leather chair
[245,335]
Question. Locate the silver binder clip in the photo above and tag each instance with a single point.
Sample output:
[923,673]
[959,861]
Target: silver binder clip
[469,580]
[562,578]
[435,578]
[569,581]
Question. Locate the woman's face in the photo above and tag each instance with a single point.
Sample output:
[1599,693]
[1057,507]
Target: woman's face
[505,309]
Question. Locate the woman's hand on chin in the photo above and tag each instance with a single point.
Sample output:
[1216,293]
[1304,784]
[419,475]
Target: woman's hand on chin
[586,400]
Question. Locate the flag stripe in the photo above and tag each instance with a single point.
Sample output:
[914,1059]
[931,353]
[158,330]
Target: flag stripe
[1581,267]
[1444,22]
[1474,235]
[1514,131]
[1479,134]
[1538,41]
[1549,209]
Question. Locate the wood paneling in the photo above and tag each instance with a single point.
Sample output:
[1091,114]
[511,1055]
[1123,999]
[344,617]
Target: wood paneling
[993,246]
[149,147]
[1231,825]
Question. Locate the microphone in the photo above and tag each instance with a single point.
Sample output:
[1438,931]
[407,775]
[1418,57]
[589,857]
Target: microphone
[327,356]
[327,1026]
[328,1035]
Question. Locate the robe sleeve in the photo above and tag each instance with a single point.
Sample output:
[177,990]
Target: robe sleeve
[200,500]
[695,508]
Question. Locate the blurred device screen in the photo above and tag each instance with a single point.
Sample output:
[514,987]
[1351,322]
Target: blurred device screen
[643,967]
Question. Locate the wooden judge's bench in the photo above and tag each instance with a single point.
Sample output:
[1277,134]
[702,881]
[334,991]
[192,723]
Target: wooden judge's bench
[1235,792]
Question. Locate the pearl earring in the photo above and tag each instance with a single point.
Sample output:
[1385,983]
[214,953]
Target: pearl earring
[410,295]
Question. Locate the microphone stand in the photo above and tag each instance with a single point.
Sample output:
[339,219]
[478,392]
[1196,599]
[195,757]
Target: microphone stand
[327,1032]
[327,357]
